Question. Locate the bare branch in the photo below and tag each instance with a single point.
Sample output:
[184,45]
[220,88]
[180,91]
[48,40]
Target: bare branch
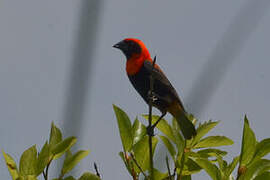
[96,169]
[133,158]
[151,130]
[168,168]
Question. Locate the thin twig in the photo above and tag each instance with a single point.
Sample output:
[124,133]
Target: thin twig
[151,144]
[159,119]
[134,174]
[150,121]
[168,168]
[43,173]
[96,169]
[174,172]
[133,158]
[46,174]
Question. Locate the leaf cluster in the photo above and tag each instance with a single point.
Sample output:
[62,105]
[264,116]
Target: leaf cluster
[33,163]
[189,157]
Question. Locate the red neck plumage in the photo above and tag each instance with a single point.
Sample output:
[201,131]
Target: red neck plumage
[134,64]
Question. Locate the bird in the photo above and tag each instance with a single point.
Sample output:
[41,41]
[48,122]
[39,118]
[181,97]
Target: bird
[139,69]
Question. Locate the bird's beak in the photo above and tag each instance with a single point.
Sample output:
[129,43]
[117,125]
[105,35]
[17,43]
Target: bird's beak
[121,45]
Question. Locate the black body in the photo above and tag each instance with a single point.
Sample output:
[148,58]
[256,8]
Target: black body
[164,93]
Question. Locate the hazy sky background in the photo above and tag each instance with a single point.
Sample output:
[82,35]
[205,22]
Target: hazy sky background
[39,39]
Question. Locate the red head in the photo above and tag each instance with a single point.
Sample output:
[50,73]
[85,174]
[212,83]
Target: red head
[135,52]
[133,47]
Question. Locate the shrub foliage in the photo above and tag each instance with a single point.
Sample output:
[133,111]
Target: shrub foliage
[33,163]
[186,157]
[189,157]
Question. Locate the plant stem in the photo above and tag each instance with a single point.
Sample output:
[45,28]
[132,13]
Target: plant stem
[46,174]
[137,164]
[182,161]
[150,122]
[168,168]
[96,169]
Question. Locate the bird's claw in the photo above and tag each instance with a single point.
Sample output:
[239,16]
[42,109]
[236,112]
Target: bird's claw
[152,97]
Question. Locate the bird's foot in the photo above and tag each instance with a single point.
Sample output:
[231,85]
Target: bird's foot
[152,96]
[150,130]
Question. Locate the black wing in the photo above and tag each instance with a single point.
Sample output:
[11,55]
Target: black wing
[162,85]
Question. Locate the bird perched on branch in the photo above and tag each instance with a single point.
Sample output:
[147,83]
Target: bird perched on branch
[139,67]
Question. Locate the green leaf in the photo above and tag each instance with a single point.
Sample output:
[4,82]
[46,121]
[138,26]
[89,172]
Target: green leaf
[263,176]
[181,157]
[30,177]
[68,154]
[125,128]
[179,140]
[138,131]
[256,169]
[127,164]
[159,175]
[222,164]
[28,161]
[231,166]
[163,126]
[262,149]
[206,153]
[175,125]
[210,168]
[231,177]
[186,177]
[168,145]
[192,118]
[190,167]
[70,178]
[89,176]
[43,158]
[60,148]
[20,178]
[213,141]
[55,135]
[11,165]
[248,144]
[72,161]
[141,152]
[202,130]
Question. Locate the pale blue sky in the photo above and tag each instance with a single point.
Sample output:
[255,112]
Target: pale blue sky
[38,39]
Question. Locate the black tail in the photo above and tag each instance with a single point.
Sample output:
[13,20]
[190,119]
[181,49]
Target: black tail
[186,125]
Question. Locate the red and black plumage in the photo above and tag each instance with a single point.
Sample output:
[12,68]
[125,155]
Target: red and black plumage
[139,68]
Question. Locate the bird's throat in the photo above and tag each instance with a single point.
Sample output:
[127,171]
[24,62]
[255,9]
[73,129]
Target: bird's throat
[133,65]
